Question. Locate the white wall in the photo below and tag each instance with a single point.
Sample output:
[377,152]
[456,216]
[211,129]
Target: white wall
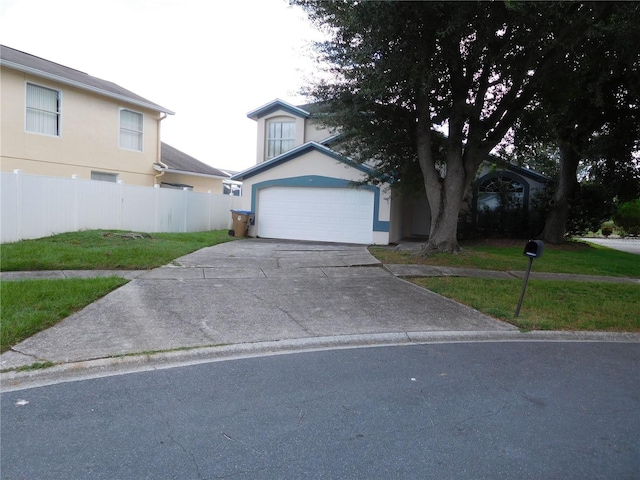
[34,206]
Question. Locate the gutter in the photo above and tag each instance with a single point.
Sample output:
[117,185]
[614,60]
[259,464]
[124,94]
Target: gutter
[163,166]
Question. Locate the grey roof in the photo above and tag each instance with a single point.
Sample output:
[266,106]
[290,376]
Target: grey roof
[33,65]
[276,105]
[180,162]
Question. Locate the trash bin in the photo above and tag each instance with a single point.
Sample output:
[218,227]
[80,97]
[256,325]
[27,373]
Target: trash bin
[241,219]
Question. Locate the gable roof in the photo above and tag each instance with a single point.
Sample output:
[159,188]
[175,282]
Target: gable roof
[276,105]
[27,63]
[298,152]
[180,162]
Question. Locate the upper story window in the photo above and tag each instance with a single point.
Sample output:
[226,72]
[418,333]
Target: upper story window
[281,137]
[43,110]
[131,130]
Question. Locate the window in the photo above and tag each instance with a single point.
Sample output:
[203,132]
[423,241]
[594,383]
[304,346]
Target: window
[130,130]
[281,137]
[500,192]
[43,110]
[104,176]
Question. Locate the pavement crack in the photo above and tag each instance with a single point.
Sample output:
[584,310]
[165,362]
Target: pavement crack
[185,450]
[13,349]
[277,307]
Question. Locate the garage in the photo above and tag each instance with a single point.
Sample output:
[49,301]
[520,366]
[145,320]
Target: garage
[343,215]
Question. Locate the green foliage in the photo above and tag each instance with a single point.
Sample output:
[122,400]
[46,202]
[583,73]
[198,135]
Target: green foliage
[591,204]
[627,217]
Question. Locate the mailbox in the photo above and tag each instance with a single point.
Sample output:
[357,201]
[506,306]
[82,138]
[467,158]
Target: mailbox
[534,248]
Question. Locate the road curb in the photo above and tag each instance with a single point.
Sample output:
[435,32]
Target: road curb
[105,367]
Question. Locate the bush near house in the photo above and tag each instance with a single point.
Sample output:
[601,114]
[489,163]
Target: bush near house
[627,217]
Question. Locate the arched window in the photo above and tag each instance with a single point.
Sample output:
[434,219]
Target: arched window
[501,192]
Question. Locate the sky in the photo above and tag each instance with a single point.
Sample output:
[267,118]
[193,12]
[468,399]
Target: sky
[209,61]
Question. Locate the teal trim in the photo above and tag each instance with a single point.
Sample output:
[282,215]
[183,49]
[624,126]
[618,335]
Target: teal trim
[276,105]
[317,181]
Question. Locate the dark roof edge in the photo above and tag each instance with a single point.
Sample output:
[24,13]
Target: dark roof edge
[83,86]
[276,105]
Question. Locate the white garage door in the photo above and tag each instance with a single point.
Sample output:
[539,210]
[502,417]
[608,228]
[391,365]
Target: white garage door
[321,214]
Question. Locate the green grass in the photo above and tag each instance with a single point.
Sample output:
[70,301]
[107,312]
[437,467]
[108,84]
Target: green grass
[29,306]
[572,257]
[97,250]
[547,305]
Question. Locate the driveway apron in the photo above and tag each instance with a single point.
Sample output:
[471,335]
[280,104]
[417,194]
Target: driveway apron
[252,290]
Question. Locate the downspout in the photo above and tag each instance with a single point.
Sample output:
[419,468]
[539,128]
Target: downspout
[159,159]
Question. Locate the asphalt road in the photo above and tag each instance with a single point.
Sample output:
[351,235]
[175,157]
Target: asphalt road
[521,410]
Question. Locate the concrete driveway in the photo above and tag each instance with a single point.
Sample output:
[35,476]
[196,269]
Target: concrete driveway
[248,291]
[629,245]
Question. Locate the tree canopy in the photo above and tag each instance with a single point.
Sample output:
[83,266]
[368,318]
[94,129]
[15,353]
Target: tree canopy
[426,90]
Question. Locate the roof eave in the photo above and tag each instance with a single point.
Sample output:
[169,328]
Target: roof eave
[83,86]
[275,105]
[194,174]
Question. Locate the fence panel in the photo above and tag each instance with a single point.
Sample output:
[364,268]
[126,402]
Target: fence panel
[9,203]
[97,206]
[33,206]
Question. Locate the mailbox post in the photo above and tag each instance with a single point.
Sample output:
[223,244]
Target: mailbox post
[533,249]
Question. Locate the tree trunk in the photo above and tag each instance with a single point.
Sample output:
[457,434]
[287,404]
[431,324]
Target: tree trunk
[556,223]
[445,182]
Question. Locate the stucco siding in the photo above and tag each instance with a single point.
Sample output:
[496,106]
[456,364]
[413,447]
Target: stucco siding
[88,140]
[199,184]
[316,169]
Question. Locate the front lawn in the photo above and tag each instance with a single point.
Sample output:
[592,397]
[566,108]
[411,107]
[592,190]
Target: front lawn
[573,257]
[547,305]
[104,250]
[29,306]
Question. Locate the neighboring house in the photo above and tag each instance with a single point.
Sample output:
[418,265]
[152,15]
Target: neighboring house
[57,121]
[301,189]
[179,170]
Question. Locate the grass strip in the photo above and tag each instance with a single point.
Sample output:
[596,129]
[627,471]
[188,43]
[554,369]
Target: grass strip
[109,250]
[29,306]
[572,257]
[547,305]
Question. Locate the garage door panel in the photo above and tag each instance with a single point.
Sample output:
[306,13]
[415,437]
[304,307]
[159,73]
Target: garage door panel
[321,214]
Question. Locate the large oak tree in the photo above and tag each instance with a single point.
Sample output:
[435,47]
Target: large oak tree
[398,73]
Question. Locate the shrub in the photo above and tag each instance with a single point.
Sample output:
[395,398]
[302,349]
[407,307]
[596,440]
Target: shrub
[627,217]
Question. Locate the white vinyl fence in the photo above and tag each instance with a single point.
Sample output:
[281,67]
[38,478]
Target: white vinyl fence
[33,206]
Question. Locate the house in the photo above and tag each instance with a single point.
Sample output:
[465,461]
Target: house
[179,170]
[58,121]
[302,189]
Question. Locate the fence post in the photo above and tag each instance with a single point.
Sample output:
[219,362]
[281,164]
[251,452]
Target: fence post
[210,209]
[120,203]
[18,174]
[156,201]
[185,195]
[76,203]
